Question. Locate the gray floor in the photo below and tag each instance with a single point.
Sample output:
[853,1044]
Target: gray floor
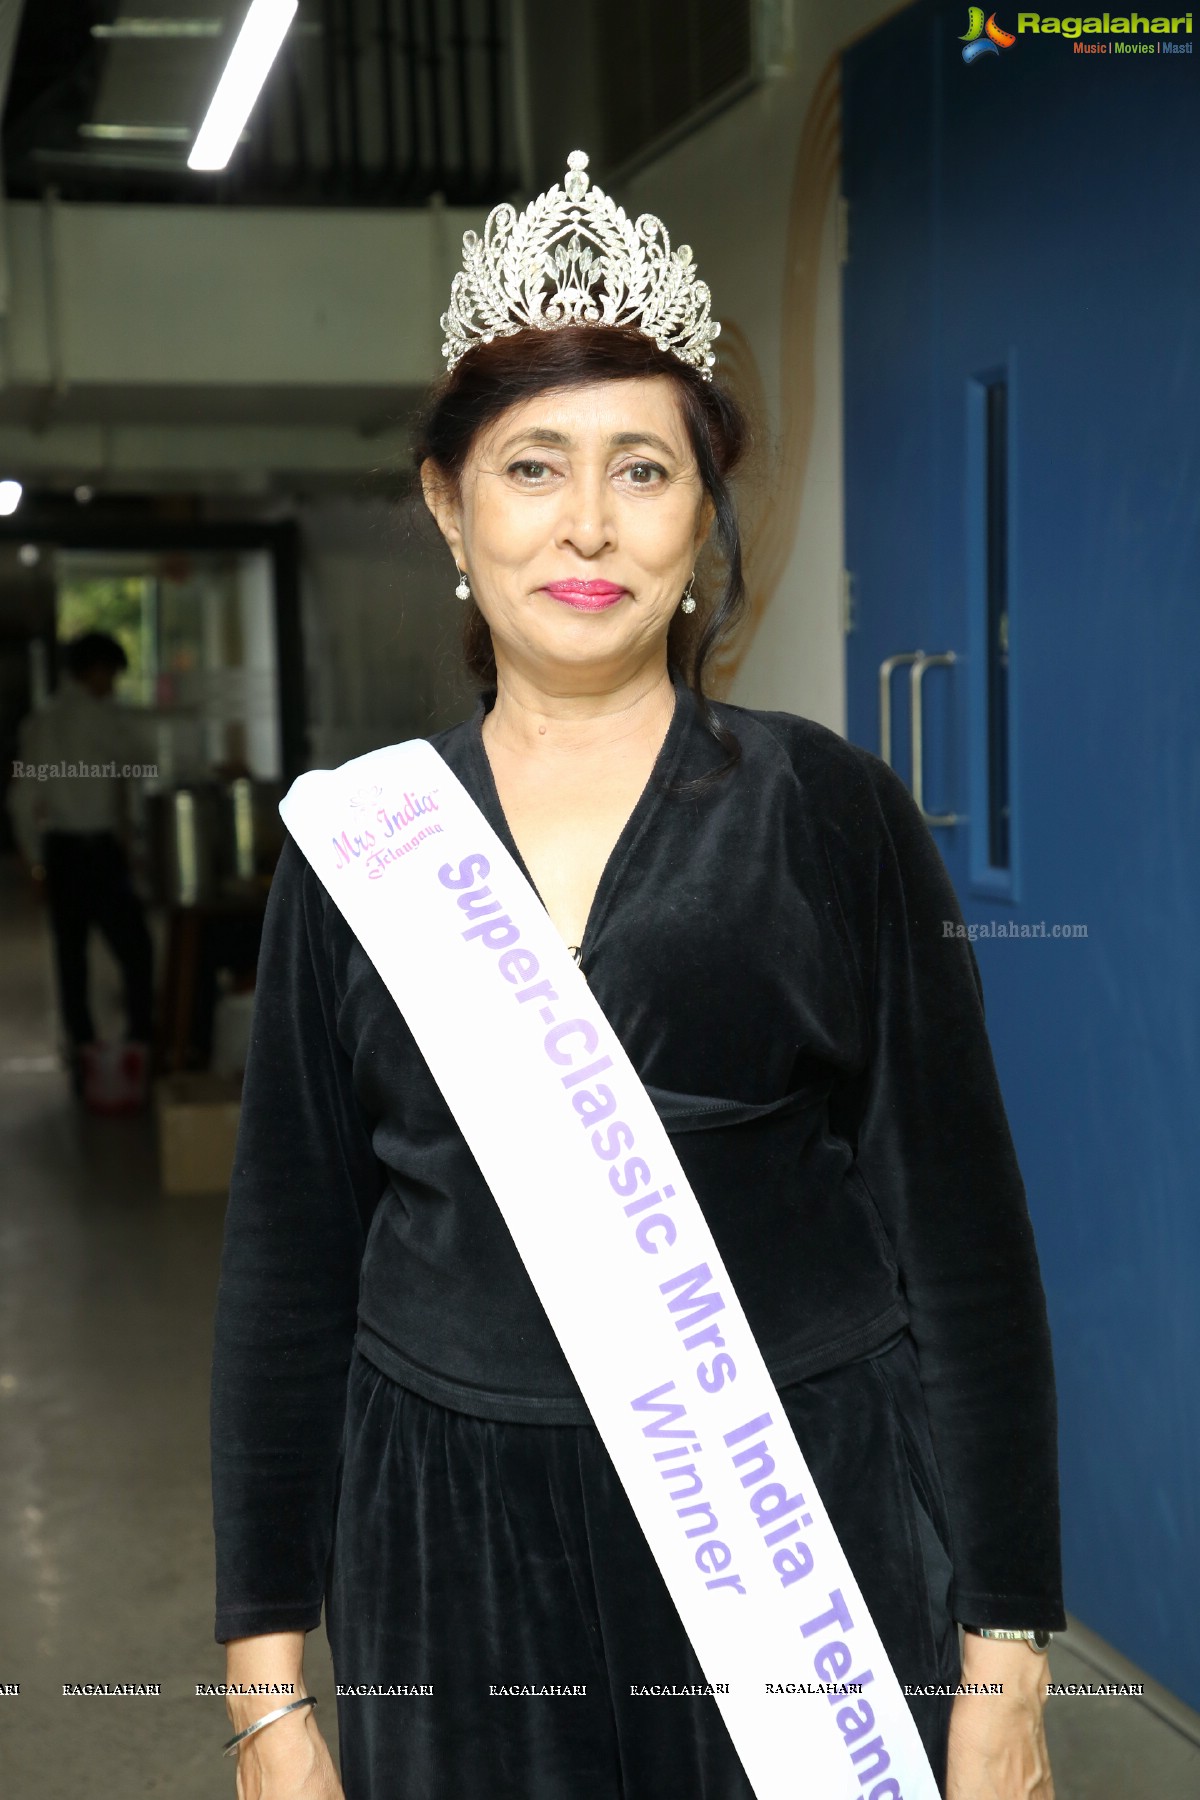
[105,1552]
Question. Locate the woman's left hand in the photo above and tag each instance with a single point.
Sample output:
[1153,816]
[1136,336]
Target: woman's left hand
[997,1747]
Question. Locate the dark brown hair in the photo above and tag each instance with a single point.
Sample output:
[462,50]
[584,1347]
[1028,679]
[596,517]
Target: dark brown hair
[492,377]
[93,650]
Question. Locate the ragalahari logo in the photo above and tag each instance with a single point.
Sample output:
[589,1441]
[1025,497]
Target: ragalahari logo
[982,39]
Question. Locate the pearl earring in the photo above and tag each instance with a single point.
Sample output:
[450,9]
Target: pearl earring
[463,590]
[688,603]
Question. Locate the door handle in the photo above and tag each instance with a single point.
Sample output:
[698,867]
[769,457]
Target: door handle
[885,698]
[921,662]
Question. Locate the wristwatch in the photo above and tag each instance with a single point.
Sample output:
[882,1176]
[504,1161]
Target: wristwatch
[1037,1640]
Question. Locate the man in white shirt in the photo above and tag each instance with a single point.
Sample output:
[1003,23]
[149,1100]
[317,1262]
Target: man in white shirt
[75,756]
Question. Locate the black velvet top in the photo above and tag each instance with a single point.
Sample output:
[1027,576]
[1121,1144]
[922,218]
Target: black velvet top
[772,951]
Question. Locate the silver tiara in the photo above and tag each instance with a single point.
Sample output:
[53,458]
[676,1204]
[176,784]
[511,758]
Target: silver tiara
[574,257]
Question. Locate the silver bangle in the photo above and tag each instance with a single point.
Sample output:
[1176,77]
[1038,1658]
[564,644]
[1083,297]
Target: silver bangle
[267,1719]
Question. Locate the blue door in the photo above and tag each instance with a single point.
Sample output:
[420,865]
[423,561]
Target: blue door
[1022,407]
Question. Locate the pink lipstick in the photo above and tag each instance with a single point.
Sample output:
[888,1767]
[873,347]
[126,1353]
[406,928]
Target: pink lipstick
[585,596]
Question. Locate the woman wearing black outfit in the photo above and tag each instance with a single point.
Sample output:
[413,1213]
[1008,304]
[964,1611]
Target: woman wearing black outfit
[763,917]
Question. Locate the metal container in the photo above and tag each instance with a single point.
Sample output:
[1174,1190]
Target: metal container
[251,833]
[211,839]
[184,829]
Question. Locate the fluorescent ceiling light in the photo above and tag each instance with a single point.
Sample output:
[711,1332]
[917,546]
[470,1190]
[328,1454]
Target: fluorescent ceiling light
[10,497]
[239,87]
[136,134]
[160,28]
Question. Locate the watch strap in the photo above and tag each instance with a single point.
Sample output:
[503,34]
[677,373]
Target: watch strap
[1036,1639]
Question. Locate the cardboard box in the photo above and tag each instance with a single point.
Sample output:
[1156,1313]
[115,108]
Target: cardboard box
[197,1128]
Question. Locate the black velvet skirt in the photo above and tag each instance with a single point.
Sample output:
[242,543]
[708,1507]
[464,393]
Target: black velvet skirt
[472,1555]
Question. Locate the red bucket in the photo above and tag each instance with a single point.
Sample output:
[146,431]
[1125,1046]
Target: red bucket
[115,1077]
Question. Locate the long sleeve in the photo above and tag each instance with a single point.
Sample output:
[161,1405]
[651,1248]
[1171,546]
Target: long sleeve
[935,1150]
[305,1182]
[76,728]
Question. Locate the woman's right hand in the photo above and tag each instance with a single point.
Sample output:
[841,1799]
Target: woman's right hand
[288,1760]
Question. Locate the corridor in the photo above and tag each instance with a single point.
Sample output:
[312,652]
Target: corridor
[105,1537]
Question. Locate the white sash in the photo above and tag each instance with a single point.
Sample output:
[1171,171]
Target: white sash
[617,1247]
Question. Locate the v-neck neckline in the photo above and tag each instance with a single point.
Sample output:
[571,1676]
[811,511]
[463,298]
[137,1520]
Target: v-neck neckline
[644,807]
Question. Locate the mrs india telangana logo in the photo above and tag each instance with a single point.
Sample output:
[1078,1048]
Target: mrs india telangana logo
[983,37]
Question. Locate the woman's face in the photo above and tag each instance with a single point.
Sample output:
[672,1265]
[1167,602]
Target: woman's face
[578,520]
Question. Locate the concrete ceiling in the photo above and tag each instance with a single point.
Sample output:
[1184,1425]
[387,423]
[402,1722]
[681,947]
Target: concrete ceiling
[372,412]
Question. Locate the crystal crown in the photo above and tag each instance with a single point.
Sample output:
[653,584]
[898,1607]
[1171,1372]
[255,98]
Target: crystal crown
[575,257]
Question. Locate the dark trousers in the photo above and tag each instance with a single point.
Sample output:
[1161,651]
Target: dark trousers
[470,1553]
[87,883]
